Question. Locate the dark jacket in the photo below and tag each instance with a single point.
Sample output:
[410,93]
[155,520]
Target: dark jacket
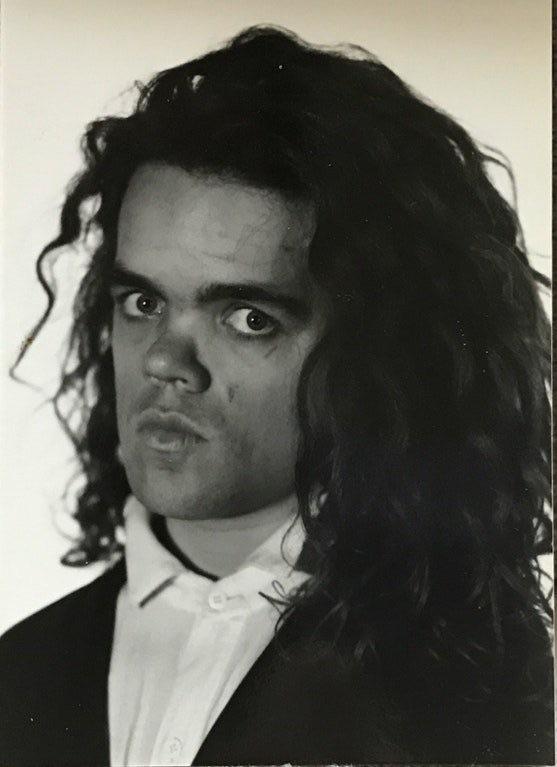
[298,704]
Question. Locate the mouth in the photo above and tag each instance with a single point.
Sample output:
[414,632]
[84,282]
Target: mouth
[167,441]
[167,432]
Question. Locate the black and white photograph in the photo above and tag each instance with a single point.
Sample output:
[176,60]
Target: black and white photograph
[276,469]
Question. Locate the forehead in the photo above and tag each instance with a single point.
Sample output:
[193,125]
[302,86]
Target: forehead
[173,219]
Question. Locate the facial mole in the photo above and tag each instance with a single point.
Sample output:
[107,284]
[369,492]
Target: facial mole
[231,393]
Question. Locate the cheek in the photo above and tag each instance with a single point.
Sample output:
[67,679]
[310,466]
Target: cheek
[127,376]
[263,404]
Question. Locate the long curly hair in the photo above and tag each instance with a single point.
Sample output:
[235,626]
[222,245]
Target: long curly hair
[424,410]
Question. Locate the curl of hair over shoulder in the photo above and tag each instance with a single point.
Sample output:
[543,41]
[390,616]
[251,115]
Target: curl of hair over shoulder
[424,410]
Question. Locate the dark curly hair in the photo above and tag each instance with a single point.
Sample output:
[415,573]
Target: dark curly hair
[424,409]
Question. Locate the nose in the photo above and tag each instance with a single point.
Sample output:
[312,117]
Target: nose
[174,359]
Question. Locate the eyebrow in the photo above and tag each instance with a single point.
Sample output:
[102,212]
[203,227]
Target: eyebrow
[219,291]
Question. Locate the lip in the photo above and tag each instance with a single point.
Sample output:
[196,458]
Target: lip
[168,431]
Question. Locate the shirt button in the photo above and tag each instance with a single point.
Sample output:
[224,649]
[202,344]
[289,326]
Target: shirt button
[217,601]
[174,749]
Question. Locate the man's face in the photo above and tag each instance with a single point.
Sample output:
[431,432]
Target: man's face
[215,313]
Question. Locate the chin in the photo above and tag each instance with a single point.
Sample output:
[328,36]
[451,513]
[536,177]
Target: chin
[169,502]
[169,491]
[161,500]
[184,495]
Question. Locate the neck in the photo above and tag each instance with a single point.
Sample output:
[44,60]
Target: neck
[219,546]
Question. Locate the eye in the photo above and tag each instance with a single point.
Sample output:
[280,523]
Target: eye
[251,322]
[139,304]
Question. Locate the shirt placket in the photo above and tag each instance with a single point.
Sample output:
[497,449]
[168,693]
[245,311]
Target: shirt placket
[202,668]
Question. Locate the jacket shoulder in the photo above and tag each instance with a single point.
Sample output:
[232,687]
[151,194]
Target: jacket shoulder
[62,616]
[45,645]
[53,678]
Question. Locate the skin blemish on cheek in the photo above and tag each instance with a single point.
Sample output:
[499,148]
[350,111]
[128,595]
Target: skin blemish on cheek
[270,351]
[231,392]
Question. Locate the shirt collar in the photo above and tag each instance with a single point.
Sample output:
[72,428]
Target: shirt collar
[151,567]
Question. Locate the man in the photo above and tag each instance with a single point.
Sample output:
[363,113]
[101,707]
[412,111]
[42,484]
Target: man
[310,362]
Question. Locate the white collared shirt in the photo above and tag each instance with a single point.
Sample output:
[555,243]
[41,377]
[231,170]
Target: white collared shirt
[183,642]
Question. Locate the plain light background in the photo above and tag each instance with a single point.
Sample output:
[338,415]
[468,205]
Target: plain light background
[65,62]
